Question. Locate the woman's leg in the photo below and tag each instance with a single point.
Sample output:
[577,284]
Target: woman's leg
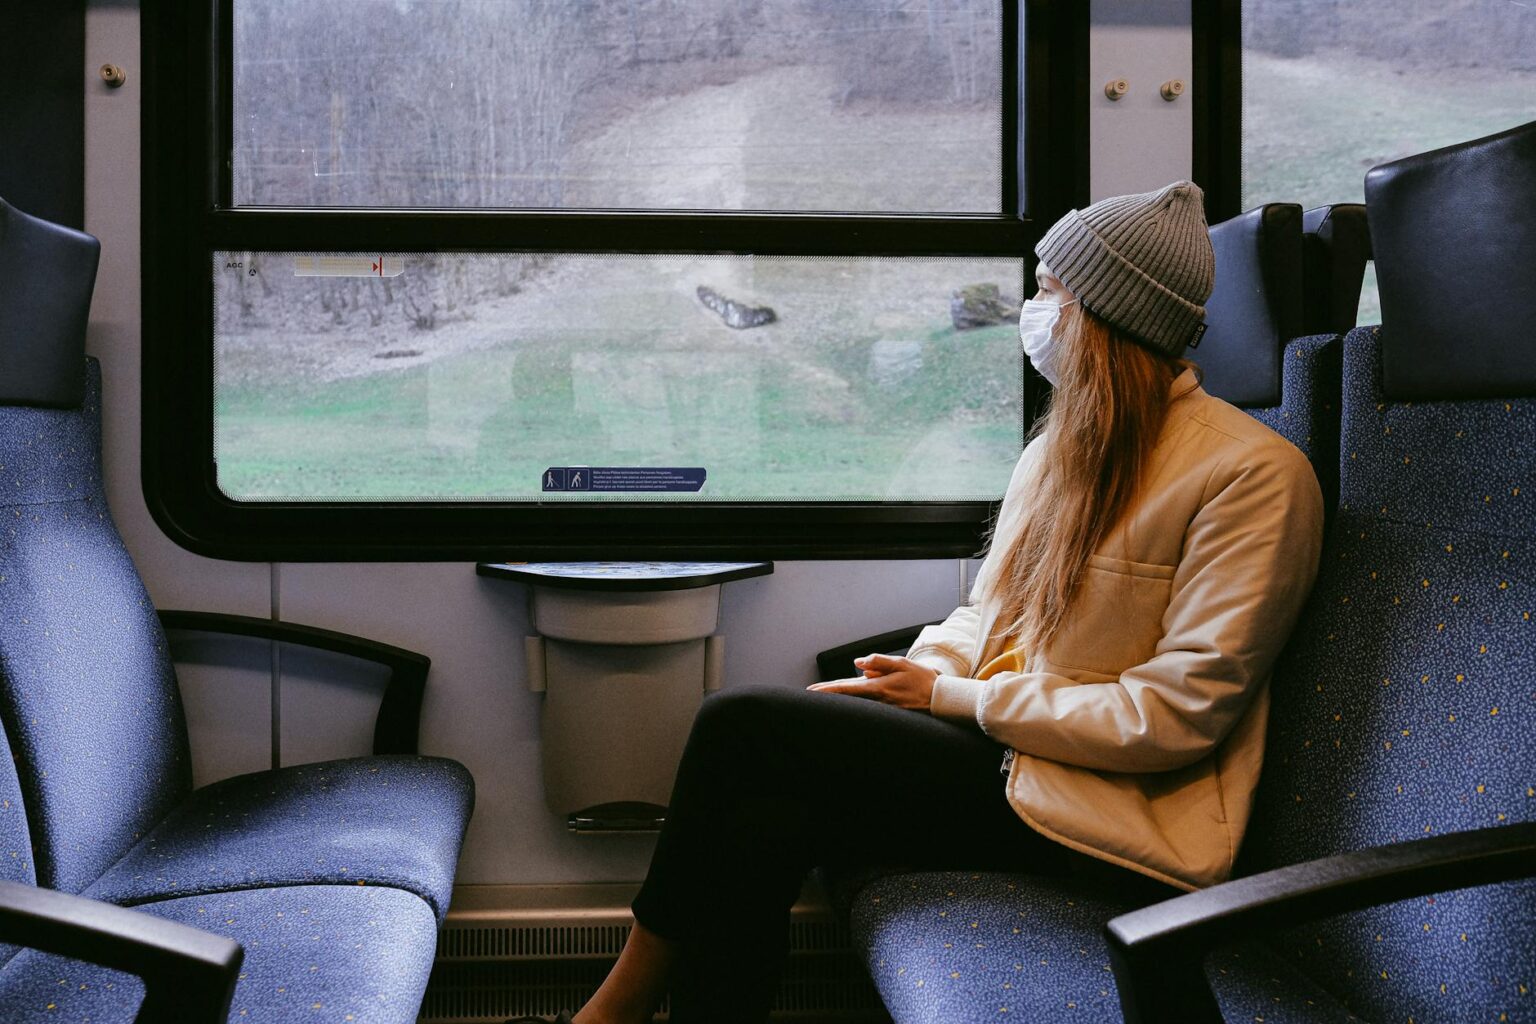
[775,780]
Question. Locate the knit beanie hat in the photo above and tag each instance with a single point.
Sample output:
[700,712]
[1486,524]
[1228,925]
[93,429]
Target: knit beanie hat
[1143,262]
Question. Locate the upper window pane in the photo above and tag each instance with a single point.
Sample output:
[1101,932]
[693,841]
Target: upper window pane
[878,106]
[1333,88]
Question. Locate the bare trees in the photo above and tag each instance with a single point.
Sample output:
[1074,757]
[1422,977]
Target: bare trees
[459,103]
[914,50]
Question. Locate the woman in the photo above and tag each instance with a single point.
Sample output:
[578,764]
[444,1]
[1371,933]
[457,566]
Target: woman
[1150,557]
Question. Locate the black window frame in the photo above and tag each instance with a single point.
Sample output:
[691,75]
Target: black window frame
[1217,84]
[186,171]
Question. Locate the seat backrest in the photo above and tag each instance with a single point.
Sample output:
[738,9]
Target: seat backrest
[1335,247]
[88,696]
[1251,355]
[1405,704]
[1255,307]
[42,328]
[1471,286]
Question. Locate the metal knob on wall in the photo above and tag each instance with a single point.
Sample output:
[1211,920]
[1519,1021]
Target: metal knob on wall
[113,75]
[1172,89]
[1116,88]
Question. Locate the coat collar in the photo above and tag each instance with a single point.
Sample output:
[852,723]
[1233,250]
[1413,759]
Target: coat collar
[1184,385]
[1184,396]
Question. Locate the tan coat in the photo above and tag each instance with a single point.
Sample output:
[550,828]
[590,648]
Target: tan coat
[1140,730]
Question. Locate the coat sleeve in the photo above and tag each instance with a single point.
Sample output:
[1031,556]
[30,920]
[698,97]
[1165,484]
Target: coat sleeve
[1249,559]
[948,647]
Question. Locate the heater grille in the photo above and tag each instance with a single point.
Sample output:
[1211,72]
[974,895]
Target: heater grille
[495,962]
[813,989]
[542,941]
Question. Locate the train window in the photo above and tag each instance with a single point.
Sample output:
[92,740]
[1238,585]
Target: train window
[640,104]
[1330,89]
[454,376]
[447,279]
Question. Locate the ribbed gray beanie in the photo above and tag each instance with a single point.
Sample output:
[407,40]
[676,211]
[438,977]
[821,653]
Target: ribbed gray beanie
[1143,262]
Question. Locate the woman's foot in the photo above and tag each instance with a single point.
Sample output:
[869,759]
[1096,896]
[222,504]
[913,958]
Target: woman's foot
[635,985]
[633,988]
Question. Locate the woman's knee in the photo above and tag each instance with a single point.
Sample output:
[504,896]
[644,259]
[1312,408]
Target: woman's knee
[746,702]
[751,708]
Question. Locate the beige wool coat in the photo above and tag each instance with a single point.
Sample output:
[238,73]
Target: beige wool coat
[1139,731]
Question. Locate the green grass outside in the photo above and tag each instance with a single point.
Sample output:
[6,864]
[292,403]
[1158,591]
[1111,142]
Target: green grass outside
[501,417]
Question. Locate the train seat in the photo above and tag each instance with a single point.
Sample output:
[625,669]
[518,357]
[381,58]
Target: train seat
[333,876]
[1386,871]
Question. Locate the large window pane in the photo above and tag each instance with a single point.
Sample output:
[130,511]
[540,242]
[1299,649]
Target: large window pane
[466,376]
[813,105]
[1333,87]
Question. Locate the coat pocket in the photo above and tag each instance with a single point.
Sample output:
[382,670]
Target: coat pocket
[1116,617]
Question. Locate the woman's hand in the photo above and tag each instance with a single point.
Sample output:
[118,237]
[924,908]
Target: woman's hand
[894,680]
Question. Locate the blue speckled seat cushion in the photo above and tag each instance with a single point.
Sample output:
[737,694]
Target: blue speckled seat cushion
[948,947]
[1308,413]
[312,953]
[395,821]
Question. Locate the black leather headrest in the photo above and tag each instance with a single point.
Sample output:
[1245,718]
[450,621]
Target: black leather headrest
[1256,307]
[47,274]
[1454,232]
[1335,247]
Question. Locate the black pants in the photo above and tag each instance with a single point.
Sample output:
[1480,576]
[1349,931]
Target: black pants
[776,780]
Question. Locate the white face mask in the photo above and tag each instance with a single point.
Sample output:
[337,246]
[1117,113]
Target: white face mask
[1036,321]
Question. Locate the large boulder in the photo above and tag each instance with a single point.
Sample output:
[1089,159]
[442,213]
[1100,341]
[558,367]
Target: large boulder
[981,305]
[734,313]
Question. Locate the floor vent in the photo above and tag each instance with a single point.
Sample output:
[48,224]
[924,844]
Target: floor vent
[509,951]
[815,989]
[531,942]
[579,941]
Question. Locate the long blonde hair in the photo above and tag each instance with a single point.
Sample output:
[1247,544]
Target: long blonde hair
[1103,421]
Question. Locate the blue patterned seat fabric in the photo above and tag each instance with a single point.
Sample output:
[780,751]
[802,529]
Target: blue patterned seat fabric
[960,947]
[1308,413]
[394,821]
[100,801]
[303,947]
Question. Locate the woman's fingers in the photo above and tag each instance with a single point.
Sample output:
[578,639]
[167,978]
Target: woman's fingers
[862,686]
[852,686]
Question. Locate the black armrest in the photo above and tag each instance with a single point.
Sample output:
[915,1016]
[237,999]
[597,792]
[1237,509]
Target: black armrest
[837,662]
[189,975]
[1157,951]
[396,729]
